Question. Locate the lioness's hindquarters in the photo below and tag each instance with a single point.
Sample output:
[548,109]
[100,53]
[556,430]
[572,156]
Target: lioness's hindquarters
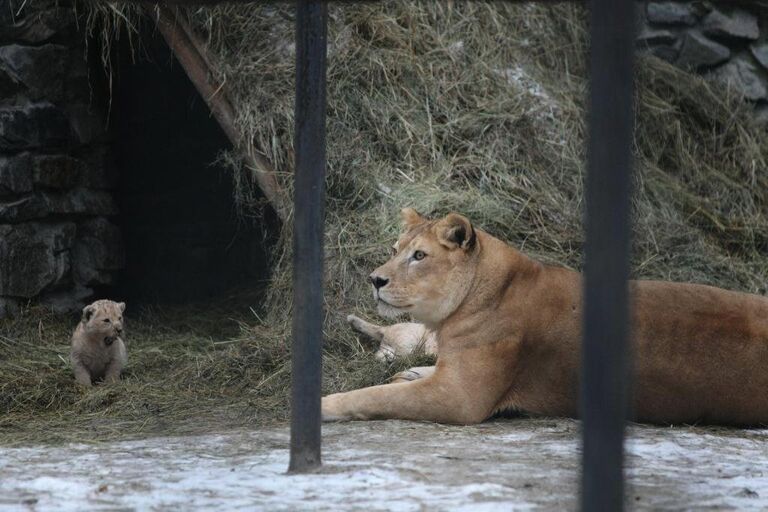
[98,351]
[397,339]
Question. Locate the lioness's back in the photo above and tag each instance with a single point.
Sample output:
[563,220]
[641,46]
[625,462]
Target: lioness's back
[701,354]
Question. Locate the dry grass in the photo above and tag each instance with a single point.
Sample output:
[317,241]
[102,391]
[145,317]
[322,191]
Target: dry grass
[468,106]
[479,108]
[191,369]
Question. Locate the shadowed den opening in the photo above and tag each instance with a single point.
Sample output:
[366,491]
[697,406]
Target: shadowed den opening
[184,240]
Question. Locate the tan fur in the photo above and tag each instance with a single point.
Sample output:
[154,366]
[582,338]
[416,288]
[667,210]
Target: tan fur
[98,351]
[397,339]
[509,336]
[419,372]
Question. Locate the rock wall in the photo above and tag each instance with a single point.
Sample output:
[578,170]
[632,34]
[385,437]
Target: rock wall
[724,41]
[57,243]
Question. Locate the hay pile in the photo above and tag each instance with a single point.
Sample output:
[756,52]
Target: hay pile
[479,108]
[469,106]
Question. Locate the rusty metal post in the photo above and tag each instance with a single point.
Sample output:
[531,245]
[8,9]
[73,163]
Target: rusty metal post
[309,214]
[605,355]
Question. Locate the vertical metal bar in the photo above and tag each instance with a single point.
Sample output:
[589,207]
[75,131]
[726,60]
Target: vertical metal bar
[605,352]
[309,214]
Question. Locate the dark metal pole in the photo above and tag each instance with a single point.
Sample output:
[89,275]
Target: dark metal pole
[309,214]
[605,353]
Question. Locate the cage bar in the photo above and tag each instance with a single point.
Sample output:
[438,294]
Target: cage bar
[605,352]
[309,215]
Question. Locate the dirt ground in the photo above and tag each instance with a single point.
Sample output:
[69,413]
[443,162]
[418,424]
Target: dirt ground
[504,464]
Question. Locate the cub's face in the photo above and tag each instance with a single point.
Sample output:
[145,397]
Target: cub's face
[103,320]
[431,268]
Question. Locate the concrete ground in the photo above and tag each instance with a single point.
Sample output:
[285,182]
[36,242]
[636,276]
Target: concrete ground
[515,464]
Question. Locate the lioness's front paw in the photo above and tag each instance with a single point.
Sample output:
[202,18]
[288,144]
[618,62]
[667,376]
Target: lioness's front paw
[385,353]
[354,321]
[417,373]
[404,376]
[331,408]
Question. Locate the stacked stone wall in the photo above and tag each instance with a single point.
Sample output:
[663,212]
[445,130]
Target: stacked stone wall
[724,41]
[58,242]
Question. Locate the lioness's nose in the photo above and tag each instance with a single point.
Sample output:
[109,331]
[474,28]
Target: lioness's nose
[378,282]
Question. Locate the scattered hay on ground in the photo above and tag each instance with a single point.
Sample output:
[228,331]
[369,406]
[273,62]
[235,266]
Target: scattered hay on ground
[190,370]
[469,106]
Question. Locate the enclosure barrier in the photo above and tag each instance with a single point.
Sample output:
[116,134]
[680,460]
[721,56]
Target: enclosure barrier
[308,218]
[605,358]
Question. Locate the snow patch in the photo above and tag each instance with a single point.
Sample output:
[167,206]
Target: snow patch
[544,107]
[400,466]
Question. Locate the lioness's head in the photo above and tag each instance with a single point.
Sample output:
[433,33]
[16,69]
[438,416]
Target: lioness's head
[103,320]
[431,268]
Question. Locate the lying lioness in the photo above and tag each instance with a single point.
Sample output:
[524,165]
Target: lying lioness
[509,334]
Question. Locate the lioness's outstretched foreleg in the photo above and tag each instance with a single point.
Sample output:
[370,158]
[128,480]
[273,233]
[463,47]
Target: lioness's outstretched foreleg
[433,398]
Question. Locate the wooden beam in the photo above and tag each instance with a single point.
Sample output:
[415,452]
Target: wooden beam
[191,54]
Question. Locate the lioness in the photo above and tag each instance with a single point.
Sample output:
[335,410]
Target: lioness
[509,334]
[98,350]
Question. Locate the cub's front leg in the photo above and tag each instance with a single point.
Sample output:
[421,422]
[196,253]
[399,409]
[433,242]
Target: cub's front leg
[113,371]
[433,398]
[82,375]
[115,366]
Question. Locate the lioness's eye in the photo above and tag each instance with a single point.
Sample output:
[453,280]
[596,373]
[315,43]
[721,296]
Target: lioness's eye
[419,255]
[106,320]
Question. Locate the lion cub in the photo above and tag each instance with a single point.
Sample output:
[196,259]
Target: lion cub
[98,350]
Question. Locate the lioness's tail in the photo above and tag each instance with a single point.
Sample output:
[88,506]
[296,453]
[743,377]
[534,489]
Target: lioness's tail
[374,331]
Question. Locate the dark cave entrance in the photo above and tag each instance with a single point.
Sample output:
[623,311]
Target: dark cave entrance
[183,239]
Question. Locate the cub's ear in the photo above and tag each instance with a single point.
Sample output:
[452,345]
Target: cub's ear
[121,305]
[88,312]
[411,218]
[455,231]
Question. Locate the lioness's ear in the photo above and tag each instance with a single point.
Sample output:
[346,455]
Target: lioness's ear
[121,305]
[456,231]
[88,313]
[411,217]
